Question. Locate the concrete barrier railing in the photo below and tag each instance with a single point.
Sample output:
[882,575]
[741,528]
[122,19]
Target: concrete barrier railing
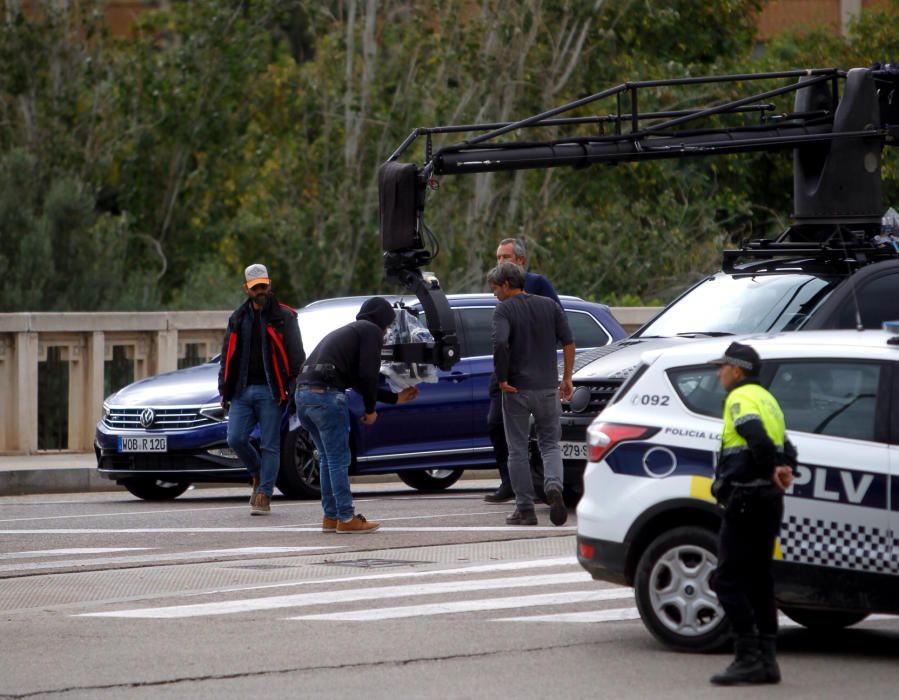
[152,341]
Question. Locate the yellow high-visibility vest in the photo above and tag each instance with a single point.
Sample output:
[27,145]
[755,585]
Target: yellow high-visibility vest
[749,402]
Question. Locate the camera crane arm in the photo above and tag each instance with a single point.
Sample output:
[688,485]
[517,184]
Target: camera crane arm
[840,122]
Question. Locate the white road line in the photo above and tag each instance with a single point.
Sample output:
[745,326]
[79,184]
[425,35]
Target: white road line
[132,513]
[611,615]
[71,551]
[250,529]
[457,606]
[329,597]
[156,557]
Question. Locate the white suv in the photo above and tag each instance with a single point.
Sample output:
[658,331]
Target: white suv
[647,518]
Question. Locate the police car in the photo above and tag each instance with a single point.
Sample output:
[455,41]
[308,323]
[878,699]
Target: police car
[647,518]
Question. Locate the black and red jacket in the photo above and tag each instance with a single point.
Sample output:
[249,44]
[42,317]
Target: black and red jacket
[282,350]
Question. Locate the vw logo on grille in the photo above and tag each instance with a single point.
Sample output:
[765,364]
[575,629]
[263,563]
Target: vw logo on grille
[147,416]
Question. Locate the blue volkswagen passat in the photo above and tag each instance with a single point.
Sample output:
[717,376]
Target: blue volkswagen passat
[160,434]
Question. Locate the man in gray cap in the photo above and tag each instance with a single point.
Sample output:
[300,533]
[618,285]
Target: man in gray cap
[349,357]
[262,354]
[754,468]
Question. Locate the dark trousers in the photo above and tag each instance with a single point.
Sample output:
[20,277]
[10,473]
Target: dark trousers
[743,579]
[497,433]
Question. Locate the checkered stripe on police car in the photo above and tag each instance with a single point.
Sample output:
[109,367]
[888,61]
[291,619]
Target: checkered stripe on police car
[830,543]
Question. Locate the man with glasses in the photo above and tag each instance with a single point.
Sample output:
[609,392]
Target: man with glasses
[262,354]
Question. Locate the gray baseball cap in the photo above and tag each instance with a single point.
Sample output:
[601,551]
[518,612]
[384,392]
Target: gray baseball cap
[256,274]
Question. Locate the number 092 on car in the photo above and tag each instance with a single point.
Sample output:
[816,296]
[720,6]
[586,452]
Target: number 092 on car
[143,443]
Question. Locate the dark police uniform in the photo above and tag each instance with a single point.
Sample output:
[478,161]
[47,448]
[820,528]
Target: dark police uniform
[753,443]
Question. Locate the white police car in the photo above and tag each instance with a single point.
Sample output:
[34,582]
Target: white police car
[647,518]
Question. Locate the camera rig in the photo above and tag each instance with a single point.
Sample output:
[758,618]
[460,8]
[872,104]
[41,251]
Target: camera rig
[837,128]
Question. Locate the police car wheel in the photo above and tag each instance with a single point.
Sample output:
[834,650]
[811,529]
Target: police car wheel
[674,597]
[823,620]
[154,489]
[430,479]
[298,476]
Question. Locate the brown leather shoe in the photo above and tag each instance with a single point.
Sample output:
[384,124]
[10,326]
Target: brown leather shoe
[357,526]
[254,484]
[262,504]
[329,524]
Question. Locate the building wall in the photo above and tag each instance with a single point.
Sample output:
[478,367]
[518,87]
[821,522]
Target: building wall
[833,15]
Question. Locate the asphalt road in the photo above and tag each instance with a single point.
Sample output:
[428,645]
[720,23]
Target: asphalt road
[106,596]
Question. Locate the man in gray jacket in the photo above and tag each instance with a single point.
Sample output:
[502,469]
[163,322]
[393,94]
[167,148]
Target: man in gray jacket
[527,330]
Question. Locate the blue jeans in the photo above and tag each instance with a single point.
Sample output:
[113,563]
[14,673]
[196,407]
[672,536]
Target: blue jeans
[256,405]
[326,418]
[546,408]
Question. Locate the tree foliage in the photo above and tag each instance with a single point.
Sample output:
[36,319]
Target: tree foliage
[147,171]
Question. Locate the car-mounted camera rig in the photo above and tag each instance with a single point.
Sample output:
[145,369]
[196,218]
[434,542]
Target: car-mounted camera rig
[401,191]
[838,127]
[822,248]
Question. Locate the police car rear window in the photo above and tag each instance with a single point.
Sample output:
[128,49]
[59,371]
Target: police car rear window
[698,388]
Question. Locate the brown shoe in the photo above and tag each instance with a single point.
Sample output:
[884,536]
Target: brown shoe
[329,524]
[357,526]
[262,504]
[254,483]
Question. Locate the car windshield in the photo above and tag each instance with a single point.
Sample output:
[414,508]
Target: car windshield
[724,304]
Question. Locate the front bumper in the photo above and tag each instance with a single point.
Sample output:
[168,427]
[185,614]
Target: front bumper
[190,456]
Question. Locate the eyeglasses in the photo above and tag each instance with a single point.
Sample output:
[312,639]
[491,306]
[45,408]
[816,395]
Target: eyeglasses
[259,288]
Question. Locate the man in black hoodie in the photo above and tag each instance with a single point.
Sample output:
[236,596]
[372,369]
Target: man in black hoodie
[261,356]
[347,358]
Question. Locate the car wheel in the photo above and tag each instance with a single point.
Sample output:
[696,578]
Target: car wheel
[823,620]
[298,477]
[674,597]
[154,489]
[430,479]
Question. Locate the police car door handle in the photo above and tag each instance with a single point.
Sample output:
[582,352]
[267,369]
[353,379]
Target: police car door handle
[458,376]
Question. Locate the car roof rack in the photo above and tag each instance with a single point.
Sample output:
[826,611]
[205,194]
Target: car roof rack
[812,244]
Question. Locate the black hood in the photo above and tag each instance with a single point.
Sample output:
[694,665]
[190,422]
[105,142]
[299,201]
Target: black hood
[377,310]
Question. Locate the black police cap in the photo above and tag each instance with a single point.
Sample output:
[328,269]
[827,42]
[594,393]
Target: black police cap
[742,356]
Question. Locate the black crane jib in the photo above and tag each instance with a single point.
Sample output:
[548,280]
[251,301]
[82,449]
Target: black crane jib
[839,124]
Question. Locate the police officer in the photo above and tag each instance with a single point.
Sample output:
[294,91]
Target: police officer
[755,466]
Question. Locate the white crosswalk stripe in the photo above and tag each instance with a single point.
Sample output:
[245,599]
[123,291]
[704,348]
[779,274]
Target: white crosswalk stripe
[363,600]
[456,606]
[346,596]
